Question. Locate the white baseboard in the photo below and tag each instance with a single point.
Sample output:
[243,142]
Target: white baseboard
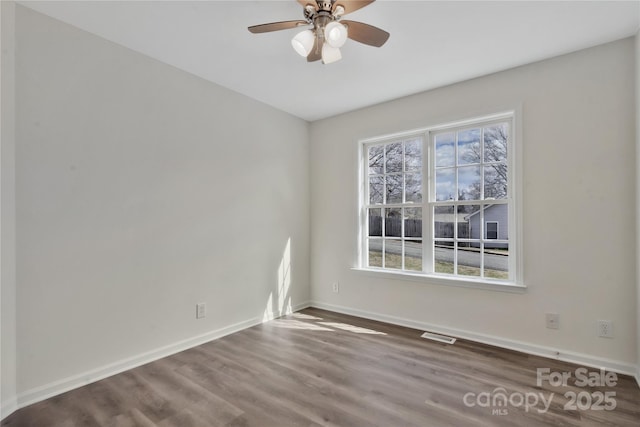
[8,407]
[46,391]
[61,386]
[534,349]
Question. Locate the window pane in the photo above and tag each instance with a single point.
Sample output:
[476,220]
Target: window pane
[469,146]
[375,222]
[393,222]
[469,258]
[491,230]
[376,159]
[413,222]
[413,155]
[495,143]
[394,157]
[445,152]
[413,255]
[496,261]
[376,187]
[375,253]
[468,222]
[469,183]
[495,181]
[445,184]
[392,253]
[413,187]
[443,220]
[394,188]
[443,257]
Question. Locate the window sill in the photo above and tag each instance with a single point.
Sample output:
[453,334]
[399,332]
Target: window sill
[436,279]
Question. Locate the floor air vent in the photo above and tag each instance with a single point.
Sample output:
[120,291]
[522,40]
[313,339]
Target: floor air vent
[439,338]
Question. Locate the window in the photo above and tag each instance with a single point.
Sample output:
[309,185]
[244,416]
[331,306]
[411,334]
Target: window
[492,230]
[440,202]
[394,204]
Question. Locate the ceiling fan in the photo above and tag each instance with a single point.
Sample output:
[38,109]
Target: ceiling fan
[330,31]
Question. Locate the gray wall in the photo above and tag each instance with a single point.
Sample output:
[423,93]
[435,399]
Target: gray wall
[638,200]
[578,151]
[8,362]
[141,191]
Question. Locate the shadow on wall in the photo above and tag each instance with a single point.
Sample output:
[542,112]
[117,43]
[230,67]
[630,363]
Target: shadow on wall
[281,303]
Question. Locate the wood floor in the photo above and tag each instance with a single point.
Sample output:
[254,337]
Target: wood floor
[318,368]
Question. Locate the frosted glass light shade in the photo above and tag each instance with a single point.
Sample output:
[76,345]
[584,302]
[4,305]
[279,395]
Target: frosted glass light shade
[330,54]
[335,34]
[303,42]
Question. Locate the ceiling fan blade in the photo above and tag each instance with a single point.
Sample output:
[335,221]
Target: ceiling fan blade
[304,3]
[351,5]
[316,52]
[276,26]
[365,33]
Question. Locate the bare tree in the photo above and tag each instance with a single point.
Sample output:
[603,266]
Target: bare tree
[376,159]
[495,161]
[388,159]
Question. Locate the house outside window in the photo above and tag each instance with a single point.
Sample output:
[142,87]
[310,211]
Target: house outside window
[440,202]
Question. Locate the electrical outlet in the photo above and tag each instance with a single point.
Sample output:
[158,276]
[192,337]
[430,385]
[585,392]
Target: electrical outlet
[336,287]
[201,310]
[553,320]
[605,328]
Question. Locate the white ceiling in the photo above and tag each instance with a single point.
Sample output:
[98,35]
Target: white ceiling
[432,43]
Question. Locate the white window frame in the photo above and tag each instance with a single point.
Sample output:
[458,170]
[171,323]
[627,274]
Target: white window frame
[515,283]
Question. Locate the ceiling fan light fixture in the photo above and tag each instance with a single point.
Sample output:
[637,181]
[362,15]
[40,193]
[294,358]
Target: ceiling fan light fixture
[335,34]
[328,32]
[303,42]
[330,54]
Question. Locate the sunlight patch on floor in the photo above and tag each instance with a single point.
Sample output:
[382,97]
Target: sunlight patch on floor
[305,316]
[297,324]
[308,322]
[351,328]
